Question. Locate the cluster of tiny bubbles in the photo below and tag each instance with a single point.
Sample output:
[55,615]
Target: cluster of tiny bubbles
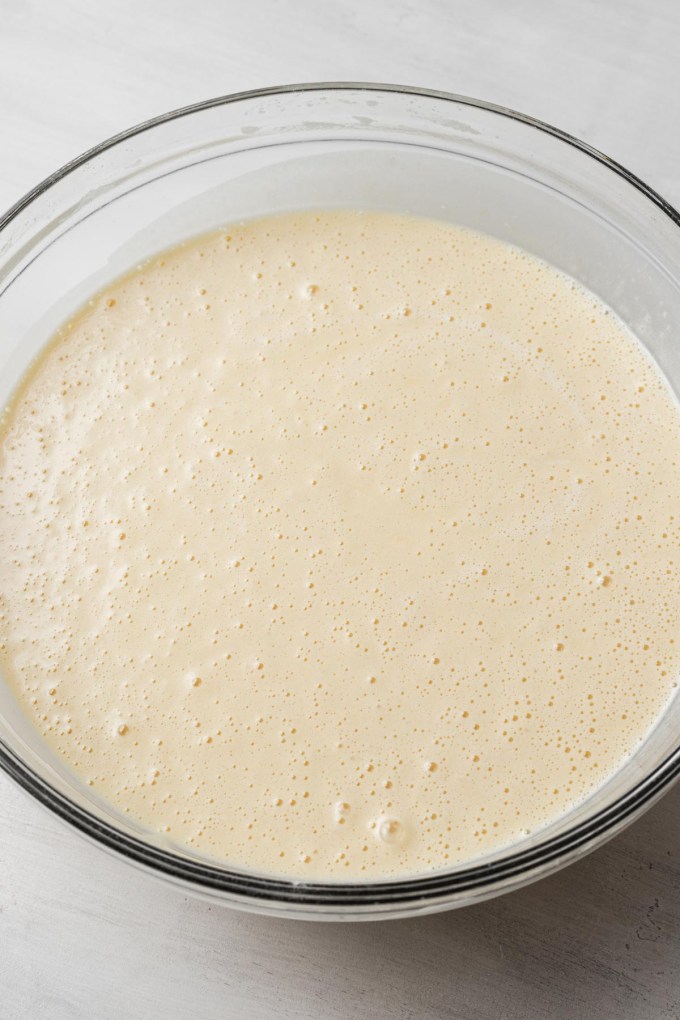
[362,544]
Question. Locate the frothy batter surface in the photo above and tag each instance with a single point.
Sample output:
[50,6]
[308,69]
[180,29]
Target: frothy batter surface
[342,545]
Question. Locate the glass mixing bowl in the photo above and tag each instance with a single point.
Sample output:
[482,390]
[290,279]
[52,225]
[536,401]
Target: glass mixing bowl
[340,145]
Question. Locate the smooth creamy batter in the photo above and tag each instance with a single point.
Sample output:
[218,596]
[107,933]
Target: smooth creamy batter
[342,545]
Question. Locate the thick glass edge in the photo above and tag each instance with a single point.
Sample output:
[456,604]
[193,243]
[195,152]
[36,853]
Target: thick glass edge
[309,897]
[339,86]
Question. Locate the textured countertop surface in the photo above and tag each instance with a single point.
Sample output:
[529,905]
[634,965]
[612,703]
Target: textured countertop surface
[81,934]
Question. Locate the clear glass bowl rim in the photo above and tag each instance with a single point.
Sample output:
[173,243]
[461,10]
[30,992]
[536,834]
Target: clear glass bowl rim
[309,898]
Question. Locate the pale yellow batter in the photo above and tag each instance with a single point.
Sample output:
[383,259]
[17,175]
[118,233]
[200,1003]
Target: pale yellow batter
[342,545]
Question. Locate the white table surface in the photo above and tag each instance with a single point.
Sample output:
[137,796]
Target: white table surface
[81,934]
